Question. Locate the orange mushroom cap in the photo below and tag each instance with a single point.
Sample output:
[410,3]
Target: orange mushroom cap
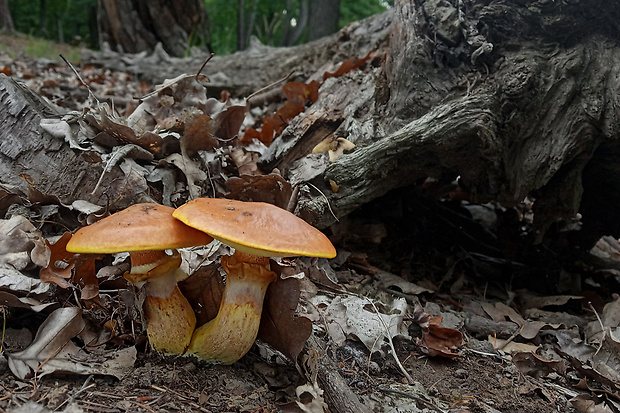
[140,227]
[255,228]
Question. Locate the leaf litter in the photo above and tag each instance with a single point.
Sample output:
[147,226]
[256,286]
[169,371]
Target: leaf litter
[378,324]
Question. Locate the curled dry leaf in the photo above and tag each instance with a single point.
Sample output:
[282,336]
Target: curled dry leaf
[441,341]
[348,65]
[21,244]
[53,351]
[296,94]
[270,188]
[204,289]
[61,326]
[58,269]
[334,146]
[246,161]
[279,325]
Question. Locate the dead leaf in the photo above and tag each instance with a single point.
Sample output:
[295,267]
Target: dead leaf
[347,66]
[53,351]
[279,326]
[60,326]
[334,146]
[58,270]
[353,317]
[228,122]
[204,289]
[245,161]
[441,341]
[192,172]
[197,136]
[271,188]
[18,240]
[11,300]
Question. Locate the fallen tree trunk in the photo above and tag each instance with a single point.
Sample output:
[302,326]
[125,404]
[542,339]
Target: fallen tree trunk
[499,96]
[511,104]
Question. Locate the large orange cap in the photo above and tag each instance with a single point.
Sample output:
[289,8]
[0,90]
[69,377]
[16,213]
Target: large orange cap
[255,228]
[140,227]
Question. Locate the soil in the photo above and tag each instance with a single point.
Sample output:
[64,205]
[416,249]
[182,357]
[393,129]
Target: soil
[472,383]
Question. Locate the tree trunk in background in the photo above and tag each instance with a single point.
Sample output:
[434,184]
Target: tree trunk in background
[241,25]
[290,34]
[138,25]
[323,20]
[6,22]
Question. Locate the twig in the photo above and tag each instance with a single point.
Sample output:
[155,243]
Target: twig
[90,92]
[203,65]
[600,346]
[326,200]
[268,86]
[34,384]
[411,396]
[391,343]
[512,337]
[84,387]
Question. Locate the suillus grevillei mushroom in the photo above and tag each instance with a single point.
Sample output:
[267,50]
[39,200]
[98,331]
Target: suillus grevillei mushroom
[147,231]
[256,231]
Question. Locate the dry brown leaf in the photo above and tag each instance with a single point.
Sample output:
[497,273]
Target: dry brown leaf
[58,270]
[270,188]
[86,277]
[228,122]
[279,326]
[203,289]
[347,66]
[197,136]
[246,161]
[440,341]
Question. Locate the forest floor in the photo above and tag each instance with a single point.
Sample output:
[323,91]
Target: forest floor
[474,333]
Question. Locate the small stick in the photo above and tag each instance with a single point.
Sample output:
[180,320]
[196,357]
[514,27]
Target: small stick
[268,86]
[391,343]
[90,92]
[203,65]
[326,200]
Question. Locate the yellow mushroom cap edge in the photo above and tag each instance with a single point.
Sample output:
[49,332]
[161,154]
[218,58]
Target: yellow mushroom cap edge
[140,227]
[255,228]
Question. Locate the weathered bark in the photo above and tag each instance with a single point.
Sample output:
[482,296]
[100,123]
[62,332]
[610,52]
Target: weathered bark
[245,72]
[513,104]
[138,25]
[32,161]
[338,395]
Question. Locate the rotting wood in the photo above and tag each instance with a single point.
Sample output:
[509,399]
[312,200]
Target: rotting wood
[339,396]
[31,157]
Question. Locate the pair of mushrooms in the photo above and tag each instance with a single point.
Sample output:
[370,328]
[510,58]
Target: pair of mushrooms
[255,230]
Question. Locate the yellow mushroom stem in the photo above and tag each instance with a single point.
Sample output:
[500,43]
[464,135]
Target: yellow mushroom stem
[171,319]
[230,335]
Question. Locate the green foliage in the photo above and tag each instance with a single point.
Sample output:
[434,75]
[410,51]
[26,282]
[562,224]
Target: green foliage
[353,10]
[271,17]
[59,20]
[62,20]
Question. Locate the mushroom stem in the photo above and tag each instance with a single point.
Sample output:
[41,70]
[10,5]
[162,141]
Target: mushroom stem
[171,319]
[230,335]
[171,322]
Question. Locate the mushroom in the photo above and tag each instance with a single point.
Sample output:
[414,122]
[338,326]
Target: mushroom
[256,231]
[146,231]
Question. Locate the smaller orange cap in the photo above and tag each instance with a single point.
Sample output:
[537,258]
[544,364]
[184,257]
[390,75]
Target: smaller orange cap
[140,227]
[255,228]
